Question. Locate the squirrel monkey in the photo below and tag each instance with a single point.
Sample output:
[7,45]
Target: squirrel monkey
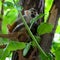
[28,15]
[19,26]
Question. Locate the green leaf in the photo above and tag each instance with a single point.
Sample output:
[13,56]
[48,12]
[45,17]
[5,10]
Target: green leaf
[57,54]
[25,51]
[5,53]
[44,28]
[16,46]
[8,5]
[12,46]
[48,5]
[58,29]
[56,50]
[0,3]
[36,18]
[8,19]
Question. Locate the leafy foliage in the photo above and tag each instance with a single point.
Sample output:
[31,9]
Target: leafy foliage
[44,28]
[56,50]
[48,5]
[8,5]
[11,46]
[10,15]
[8,19]
[9,11]
[58,27]
[15,46]
[57,53]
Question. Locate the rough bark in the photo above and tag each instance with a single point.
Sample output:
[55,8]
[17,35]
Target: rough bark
[53,19]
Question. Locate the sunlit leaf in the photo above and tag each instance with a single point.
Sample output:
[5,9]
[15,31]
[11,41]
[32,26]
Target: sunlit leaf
[48,5]
[0,3]
[12,46]
[16,46]
[9,18]
[4,54]
[8,5]
[44,28]
[57,54]
[58,29]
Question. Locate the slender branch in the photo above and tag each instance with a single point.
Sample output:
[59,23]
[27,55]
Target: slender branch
[11,36]
[31,35]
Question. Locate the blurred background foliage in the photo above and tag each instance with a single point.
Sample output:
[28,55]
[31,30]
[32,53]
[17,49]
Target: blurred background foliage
[11,14]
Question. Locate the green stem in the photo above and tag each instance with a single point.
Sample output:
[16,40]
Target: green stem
[31,35]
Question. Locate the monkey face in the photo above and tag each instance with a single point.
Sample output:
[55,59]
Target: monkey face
[31,12]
